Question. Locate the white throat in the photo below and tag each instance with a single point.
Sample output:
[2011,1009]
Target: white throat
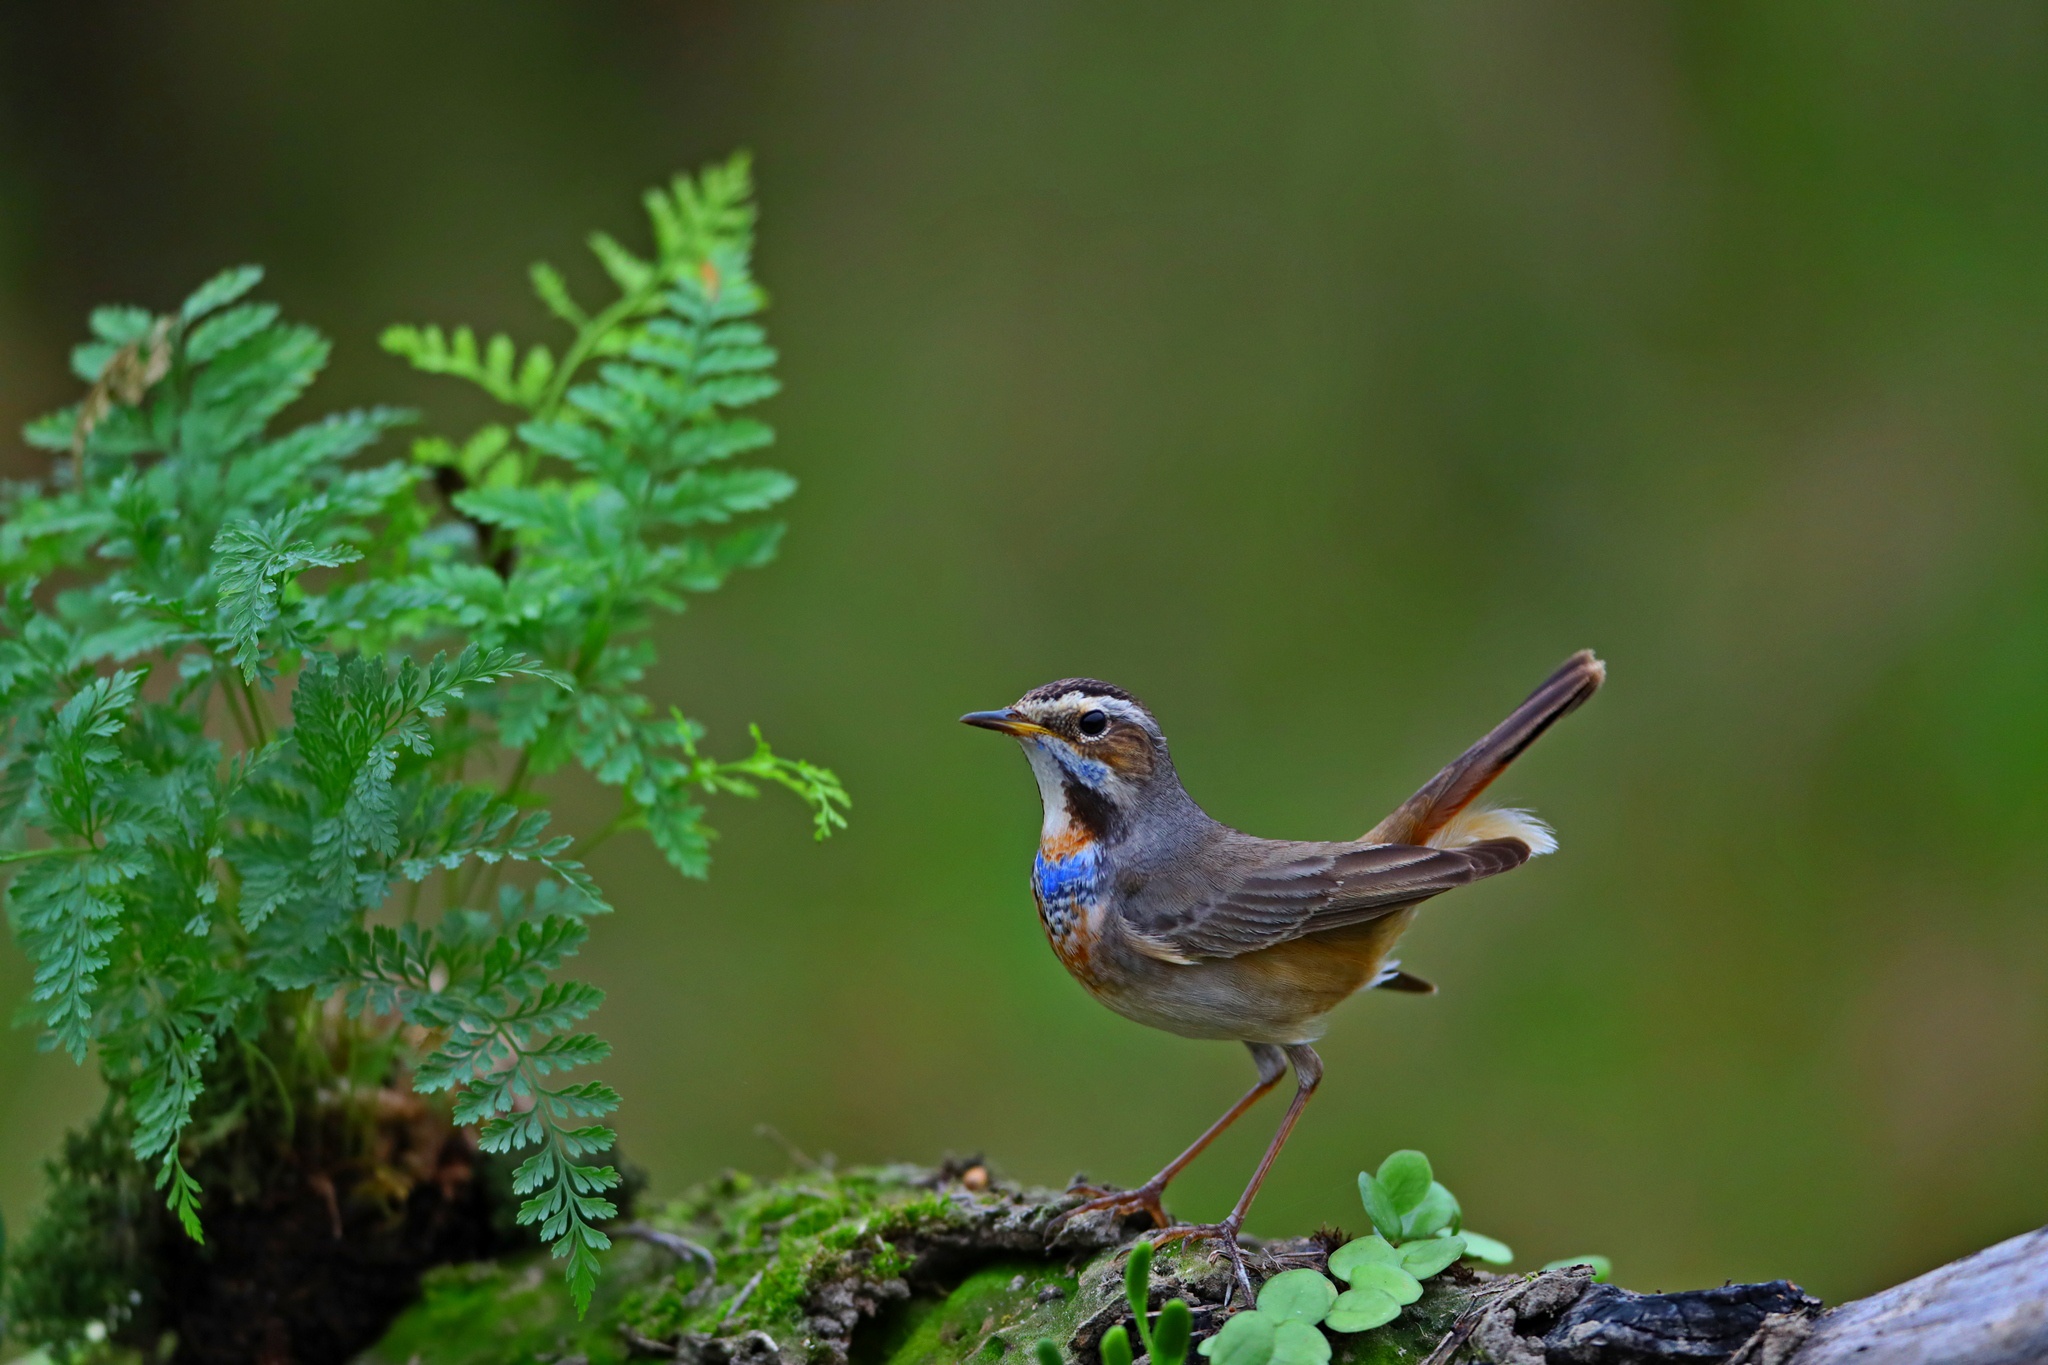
[1052,788]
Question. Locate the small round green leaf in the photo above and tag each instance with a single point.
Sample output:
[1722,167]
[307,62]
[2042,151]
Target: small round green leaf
[1362,1251]
[1396,1283]
[1171,1332]
[1116,1346]
[1436,1212]
[1246,1339]
[1428,1257]
[1482,1248]
[1361,1310]
[1379,1205]
[1602,1267]
[1299,1343]
[1297,1296]
[1407,1178]
[1049,1354]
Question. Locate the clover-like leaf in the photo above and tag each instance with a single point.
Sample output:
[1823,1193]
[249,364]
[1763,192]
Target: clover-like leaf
[1407,1178]
[1430,1256]
[1601,1267]
[1361,1310]
[1373,1250]
[1246,1339]
[1379,1205]
[1437,1212]
[1300,1343]
[1483,1248]
[1391,1280]
[1297,1296]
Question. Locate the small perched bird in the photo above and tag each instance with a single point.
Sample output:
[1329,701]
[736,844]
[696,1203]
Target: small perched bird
[1178,921]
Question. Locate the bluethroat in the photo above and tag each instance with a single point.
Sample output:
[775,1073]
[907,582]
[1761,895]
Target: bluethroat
[1178,921]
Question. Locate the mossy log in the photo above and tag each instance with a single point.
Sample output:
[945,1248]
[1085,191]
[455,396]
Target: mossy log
[915,1266]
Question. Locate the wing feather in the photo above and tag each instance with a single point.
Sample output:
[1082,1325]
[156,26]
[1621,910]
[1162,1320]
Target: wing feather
[1275,891]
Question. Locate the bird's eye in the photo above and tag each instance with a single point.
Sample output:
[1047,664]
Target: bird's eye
[1092,724]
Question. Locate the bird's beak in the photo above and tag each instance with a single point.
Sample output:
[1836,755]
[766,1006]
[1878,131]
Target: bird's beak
[1004,722]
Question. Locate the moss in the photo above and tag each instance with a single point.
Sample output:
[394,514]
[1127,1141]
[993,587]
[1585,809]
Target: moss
[515,1311]
[992,1313]
[794,1234]
[1410,1337]
[88,1265]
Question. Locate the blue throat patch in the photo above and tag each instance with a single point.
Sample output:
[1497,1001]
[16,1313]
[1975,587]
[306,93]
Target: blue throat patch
[1066,888]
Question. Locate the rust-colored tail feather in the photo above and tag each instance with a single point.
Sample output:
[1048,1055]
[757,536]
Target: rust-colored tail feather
[1453,789]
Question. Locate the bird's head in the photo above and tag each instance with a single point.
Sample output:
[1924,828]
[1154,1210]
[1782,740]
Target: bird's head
[1096,751]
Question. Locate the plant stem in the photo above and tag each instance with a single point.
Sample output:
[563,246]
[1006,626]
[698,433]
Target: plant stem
[257,712]
[24,855]
[517,781]
[227,701]
[587,337]
[284,1093]
[628,813]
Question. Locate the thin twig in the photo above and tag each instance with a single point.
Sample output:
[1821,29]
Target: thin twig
[739,1299]
[682,1248]
[789,1149]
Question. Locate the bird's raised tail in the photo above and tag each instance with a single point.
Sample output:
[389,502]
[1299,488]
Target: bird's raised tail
[1432,815]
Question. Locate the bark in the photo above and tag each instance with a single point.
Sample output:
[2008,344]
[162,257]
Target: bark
[906,1266]
[1986,1309]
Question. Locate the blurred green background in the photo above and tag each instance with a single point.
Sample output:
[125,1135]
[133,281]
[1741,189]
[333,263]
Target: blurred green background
[1324,374]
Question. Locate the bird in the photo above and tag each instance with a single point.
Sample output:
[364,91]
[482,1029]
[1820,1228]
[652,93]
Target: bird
[1178,921]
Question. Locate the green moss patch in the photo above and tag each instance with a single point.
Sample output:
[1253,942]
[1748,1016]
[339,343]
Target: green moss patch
[1006,1307]
[516,1311]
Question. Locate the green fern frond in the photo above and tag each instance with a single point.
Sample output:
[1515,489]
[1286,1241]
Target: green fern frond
[184,844]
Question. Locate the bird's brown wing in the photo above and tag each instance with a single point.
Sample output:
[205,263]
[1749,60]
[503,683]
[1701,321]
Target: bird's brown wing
[1265,893]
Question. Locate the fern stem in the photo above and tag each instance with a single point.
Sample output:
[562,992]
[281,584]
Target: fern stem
[618,824]
[24,855]
[257,712]
[466,883]
[516,783]
[587,338]
[284,1093]
[227,701]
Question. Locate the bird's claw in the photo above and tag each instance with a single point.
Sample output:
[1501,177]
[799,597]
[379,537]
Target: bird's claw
[1145,1198]
[1224,1234]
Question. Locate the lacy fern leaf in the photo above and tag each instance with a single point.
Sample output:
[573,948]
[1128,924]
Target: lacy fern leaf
[257,686]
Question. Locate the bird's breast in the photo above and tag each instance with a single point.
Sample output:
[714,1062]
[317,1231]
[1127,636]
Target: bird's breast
[1068,882]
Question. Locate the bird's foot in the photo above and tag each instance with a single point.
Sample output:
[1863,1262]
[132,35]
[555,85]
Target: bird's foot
[1224,1234]
[1121,1202]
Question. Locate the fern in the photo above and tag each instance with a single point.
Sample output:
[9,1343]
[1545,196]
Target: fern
[608,495]
[254,688]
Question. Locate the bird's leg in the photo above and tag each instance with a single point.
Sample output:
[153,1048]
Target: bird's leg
[1272,1064]
[1308,1073]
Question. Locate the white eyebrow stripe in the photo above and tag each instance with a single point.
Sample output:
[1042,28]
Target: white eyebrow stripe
[1091,701]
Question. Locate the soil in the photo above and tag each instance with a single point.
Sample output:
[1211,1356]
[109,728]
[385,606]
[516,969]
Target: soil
[311,1265]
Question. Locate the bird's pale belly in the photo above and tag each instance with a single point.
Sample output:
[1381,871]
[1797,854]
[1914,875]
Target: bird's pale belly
[1277,995]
